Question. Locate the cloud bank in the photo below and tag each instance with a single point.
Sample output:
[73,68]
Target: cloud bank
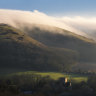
[85,26]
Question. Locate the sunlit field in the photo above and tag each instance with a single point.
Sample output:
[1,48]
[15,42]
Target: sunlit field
[55,76]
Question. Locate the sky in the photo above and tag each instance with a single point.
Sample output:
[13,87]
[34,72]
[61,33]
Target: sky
[53,7]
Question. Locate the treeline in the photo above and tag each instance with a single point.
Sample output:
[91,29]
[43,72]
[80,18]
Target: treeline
[35,85]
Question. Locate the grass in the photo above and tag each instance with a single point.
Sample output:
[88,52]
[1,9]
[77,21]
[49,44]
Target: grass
[54,75]
[79,79]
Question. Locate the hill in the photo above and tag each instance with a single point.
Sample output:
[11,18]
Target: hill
[60,38]
[20,51]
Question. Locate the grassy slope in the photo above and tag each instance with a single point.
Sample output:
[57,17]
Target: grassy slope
[51,36]
[19,51]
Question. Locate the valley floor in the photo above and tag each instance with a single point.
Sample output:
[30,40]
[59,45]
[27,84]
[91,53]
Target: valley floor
[33,83]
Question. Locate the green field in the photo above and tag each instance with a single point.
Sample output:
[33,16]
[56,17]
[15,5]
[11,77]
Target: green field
[54,75]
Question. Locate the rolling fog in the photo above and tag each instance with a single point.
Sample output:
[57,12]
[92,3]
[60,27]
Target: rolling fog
[78,24]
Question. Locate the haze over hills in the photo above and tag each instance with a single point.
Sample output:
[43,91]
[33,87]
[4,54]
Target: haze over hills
[79,24]
[42,44]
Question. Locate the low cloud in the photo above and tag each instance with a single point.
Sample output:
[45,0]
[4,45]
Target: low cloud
[85,26]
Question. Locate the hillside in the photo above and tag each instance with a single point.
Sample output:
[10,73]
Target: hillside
[60,38]
[19,51]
